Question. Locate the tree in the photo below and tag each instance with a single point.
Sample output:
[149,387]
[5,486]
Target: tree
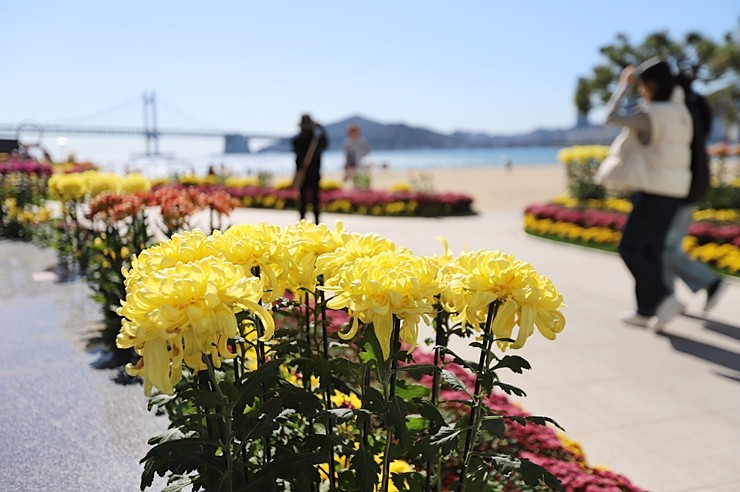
[715,65]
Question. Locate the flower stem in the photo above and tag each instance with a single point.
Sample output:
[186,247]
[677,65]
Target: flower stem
[440,340]
[395,347]
[477,403]
[266,453]
[224,423]
[328,389]
[307,320]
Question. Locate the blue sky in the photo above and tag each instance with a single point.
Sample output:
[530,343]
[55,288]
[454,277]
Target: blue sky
[494,66]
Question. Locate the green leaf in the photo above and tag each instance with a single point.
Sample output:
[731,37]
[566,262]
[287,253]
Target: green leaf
[514,362]
[373,401]
[503,461]
[477,478]
[342,415]
[450,379]
[486,381]
[298,469]
[533,474]
[397,411]
[533,419]
[322,442]
[322,369]
[416,423]
[202,397]
[416,370]
[412,391]
[259,422]
[341,366]
[444,440]
[178,484]
[509,389]
[169,435]
[366,469]
[160,400]
[252,383]
[495,425]
[367,356]
[153,465]
[471,366]
[431,413]
[375,353]
[300,399]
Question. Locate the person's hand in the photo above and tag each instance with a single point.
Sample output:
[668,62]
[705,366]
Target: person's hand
[628,77]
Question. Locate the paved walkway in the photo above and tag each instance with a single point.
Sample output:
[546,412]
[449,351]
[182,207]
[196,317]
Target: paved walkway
[64,426]
[664,410]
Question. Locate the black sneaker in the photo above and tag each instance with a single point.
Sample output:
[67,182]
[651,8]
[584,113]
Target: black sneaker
[714,292]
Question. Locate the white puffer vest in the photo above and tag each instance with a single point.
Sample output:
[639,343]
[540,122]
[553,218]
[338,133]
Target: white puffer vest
[668,155]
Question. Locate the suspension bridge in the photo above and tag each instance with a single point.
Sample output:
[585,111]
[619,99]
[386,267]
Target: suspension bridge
[234,141]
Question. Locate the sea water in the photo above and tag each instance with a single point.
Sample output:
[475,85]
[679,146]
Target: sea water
[283,163]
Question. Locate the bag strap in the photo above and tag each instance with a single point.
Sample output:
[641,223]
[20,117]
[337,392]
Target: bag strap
[311,150]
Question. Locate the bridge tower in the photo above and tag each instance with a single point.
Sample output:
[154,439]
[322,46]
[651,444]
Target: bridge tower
[151,132]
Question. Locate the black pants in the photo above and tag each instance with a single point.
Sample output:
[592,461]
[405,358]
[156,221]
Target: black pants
[309,192]
[641,248]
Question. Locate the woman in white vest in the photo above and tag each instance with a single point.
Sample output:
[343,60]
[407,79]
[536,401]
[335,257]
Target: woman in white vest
[650,158]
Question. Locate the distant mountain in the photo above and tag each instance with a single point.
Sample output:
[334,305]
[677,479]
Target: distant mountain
[394,136]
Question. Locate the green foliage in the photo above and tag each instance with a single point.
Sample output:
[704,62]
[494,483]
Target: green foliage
[699,58]
[274,429]
[362,179]
[582,183]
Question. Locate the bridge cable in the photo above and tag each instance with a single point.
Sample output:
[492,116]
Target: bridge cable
[193,119]
[99,113]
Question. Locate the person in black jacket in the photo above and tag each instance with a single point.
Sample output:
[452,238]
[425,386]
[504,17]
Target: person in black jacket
[308,146]
[696,275]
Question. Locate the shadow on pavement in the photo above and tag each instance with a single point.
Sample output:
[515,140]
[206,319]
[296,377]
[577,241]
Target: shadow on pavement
[717,326]
[710,353]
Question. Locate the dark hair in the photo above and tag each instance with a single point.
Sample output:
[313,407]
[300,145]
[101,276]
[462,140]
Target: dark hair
[698,106]
[657,74]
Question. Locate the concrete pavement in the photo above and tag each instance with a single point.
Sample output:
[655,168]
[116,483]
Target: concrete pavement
[64,426]
[664,410]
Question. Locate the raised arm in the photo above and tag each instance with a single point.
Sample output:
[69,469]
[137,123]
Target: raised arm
[638,121]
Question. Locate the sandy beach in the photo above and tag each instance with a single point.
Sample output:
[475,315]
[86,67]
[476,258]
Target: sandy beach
[492,188]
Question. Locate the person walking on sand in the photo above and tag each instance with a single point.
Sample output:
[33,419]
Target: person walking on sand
[651,158]
[676,263]
[355,149]
[308,145]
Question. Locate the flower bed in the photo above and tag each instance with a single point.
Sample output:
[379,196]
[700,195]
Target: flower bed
[714,237]
[363,202]
[593,215]
[286,356]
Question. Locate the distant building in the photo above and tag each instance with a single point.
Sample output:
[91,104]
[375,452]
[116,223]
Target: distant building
[236,144]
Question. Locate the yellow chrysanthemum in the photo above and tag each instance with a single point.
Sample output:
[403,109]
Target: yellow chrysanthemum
[258,245]
[375,288]
[180,248]
[67,187]
[441,261]
[98,182]
[527,299]
[182,312]
[354,247]
[240,181]
[306,243]
[135,182]
[181,300]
